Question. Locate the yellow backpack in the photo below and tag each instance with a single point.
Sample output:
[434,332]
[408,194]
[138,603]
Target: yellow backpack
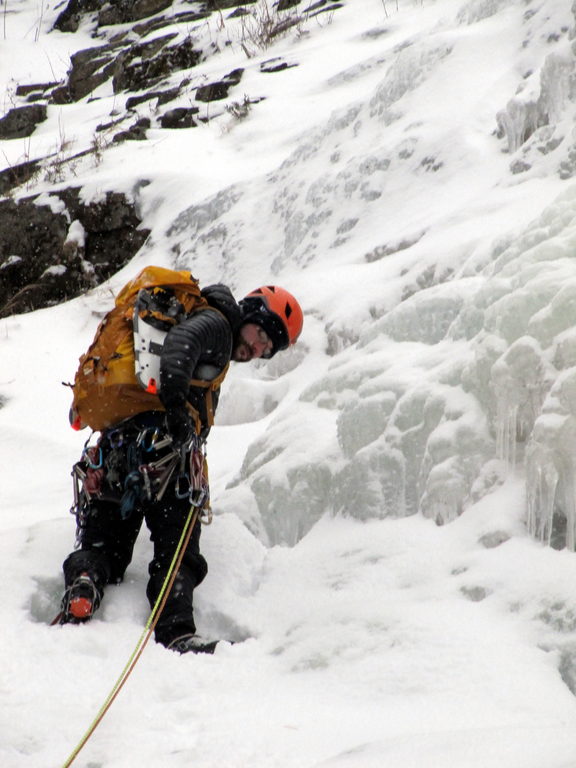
[113,381]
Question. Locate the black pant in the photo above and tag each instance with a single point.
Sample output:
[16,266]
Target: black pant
[107,542]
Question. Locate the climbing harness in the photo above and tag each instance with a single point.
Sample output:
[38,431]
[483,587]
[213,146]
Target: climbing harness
[124,452]
[122,466]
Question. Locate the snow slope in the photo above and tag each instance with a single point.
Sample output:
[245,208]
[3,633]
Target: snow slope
[411,181]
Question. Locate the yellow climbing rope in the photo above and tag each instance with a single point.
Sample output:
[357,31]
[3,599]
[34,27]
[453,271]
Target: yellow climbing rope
[146,634]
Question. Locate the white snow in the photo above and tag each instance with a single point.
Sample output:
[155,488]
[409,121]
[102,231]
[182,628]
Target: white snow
[385,493]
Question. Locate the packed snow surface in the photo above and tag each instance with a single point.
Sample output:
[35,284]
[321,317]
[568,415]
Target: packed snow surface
[391,556]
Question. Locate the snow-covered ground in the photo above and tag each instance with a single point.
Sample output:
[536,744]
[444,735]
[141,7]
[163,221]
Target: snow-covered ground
[411,182]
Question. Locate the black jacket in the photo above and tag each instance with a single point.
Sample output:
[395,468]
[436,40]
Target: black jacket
[200,347]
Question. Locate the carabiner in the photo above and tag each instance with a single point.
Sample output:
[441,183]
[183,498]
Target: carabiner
[147,439]
[182,481]
[88,460]
[115,438]
[199,498]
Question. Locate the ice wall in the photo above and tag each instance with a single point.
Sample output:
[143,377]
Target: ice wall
[538,119]
[533,379]
[440,345]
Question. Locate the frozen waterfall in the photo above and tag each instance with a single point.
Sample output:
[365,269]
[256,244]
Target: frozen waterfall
[447,330]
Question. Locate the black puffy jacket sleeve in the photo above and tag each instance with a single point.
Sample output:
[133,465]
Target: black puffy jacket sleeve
[203,339]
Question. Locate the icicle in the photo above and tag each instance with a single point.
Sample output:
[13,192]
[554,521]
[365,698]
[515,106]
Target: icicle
[519,385]
[506,430]
[570,507]
[541,486]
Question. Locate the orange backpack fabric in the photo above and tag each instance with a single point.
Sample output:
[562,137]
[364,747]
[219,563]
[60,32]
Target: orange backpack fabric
[106,389]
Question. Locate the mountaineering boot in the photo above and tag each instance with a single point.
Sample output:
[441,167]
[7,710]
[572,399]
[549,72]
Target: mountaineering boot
[191,643]
[80,600]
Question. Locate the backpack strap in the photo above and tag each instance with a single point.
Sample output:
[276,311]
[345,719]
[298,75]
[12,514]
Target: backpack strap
[210,387]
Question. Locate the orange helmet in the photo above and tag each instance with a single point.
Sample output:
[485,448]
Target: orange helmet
[277,312]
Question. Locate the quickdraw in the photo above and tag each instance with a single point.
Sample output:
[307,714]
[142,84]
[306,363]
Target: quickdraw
[87,476]
[199,485]
[157,474]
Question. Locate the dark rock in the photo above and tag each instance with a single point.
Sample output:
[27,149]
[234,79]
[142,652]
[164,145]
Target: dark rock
[219,5]
[136,132]
[70,18]
[275,65]
[90,68]
[124,11]
[37,96]
[15,175]
[112,124]
[152,25]
[110,15]
[181,117]
[34,234]
[219,90]
[188,16]
[61,95]
[40,266]
[163,97]
[238,12]
[213,91]
[26,90]
[322,7]
[166,96]
[112,213]
[281,26]
[141,9]
[9,267]
[22,121]
[42,262]
[144,64]
[284,5]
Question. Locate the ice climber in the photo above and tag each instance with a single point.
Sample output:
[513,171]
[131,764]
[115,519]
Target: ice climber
[140,470]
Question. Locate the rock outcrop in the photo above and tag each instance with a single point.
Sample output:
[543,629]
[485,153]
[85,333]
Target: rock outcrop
[55,247]
[147,54]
